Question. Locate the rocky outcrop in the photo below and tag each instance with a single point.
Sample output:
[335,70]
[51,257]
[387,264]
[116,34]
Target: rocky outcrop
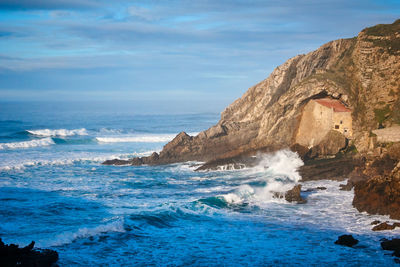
[380,194]
[12,255]
[294,195]
[362,72]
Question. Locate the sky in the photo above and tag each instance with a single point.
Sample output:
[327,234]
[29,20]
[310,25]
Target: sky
[164,56]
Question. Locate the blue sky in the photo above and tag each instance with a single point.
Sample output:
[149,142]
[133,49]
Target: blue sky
[178,56]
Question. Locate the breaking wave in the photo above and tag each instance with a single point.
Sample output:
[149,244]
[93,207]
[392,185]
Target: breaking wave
[69,160]
[69,237]
[58,132]
[279,174]
[27,144]
[137,139]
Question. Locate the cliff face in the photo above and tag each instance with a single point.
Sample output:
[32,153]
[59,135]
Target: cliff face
[362,72]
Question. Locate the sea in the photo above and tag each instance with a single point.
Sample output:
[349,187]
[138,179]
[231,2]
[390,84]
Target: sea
[55,191]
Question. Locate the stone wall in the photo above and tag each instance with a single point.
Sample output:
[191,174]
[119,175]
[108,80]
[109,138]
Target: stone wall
[343,121]
[315,123]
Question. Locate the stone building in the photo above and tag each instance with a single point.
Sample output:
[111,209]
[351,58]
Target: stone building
[319,117]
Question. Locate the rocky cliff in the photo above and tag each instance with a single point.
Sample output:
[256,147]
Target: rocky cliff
[362,72]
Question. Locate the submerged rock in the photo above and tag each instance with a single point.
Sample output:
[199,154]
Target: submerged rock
[346,240]
[12,255]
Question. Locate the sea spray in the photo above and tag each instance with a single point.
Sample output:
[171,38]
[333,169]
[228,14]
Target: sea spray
[279,172]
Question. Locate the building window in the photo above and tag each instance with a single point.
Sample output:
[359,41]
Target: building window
[345,130]
[341,122]
[336,126]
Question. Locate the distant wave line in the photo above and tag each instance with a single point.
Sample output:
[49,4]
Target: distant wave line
[28,144]
[58,132]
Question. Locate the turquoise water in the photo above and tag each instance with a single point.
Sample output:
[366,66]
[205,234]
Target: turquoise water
[54,190]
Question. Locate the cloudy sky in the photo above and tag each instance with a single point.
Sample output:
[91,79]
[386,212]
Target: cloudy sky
[165,55]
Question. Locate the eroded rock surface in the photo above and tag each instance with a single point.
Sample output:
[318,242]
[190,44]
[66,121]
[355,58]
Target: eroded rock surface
[380,194]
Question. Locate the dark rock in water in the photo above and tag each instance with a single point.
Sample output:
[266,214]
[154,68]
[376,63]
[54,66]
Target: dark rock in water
[293,195]
[12,255]
[116,162]
[393,244]
[383,226]
[396,253]
[314,189]
[375,222]
[346,240]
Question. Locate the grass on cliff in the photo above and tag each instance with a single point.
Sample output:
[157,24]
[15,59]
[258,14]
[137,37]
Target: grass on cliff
[391,43]
[384,29]
[381,114]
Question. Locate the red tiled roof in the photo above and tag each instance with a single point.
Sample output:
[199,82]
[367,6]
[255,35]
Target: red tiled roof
[333,103]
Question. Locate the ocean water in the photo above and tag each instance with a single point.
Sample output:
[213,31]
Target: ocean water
[54,190]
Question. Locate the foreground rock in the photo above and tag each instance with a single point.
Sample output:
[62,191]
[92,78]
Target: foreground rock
[12,255]
[346,240]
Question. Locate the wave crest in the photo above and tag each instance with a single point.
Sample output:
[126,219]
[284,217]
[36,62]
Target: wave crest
[58,132]
[27,144]
[279,173]
[69,237]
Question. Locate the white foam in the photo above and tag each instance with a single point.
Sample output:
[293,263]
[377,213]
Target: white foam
[136,139]
[58,132]
[333,208]
[69,237]
[17,165]
[278,170]
[27,144]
